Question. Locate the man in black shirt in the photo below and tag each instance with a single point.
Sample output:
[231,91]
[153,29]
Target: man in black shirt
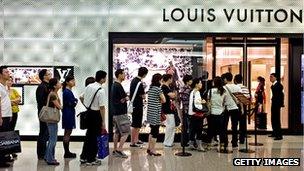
[41,98]
[277,102]
[169,110]
[120,118]
[138,104]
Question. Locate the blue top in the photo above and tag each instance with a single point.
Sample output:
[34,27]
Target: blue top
[68,110]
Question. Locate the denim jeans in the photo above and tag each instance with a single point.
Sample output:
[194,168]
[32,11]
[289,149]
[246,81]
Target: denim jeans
[50,150]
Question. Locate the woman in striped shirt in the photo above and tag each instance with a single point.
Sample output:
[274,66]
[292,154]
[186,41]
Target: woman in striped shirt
[155,98]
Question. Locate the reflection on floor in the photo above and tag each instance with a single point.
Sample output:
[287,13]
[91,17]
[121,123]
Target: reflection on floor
[291,146]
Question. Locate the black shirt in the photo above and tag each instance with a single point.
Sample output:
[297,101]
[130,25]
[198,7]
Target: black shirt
[138,101]
[118,93]
[166,106]
[42,93]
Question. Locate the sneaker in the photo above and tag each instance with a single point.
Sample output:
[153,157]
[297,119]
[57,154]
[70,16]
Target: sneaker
[134,145]
[94,163]
[83,161]
[114,153]
[69,155]
[140,143]
[121,154]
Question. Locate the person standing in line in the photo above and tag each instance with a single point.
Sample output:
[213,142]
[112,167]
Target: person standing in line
[168,111]
[184,96]
[277,101]
[196,118]
[15,100]
[89,80]
[232,108]
[260,94]
[121,123]
[96,118]
[54,102]
[68,114]
[5,111]
[138,104]
[238,80]
[155,99]
[216,118]
[42,93]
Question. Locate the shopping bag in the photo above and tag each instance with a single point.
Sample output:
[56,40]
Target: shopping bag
[83,121]
[103,146]
[10,142]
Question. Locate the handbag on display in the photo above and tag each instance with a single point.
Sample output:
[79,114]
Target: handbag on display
[84,115]
[10,142]
[103,146]
[49,114]
[130,106]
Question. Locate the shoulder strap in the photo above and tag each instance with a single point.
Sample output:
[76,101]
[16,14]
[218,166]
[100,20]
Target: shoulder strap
[232,96]
[94,98]
[135,92]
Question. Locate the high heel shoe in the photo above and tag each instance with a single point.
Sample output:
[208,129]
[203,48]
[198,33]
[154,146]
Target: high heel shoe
[150,153]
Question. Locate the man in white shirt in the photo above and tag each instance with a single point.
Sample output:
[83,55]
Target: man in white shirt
[232,108]
[5,109]
[238,79]
[96,118]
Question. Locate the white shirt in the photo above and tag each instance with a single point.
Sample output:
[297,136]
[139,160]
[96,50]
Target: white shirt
[274,82]
[6,107]
[218,101]
[197,101]
[99,100]
[231,105]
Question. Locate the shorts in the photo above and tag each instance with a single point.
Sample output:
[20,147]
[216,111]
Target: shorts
[121,124]
[137,117]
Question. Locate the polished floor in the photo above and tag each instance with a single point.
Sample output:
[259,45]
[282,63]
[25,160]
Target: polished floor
[291,146]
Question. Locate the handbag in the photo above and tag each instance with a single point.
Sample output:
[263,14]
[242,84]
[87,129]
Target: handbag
[103,146]
[10,142]
[205,107]
[84,115]
[49,114]
[130,106]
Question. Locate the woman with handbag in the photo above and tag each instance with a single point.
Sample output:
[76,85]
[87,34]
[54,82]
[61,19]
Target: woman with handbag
[53,102]
[218,101]
[68,113]
[196,113]
[155,99]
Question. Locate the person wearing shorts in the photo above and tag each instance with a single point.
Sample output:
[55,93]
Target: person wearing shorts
[121,121]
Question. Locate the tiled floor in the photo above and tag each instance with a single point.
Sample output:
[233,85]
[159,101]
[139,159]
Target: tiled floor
[291,146]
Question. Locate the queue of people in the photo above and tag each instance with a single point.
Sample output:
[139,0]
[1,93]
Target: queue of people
[162,97]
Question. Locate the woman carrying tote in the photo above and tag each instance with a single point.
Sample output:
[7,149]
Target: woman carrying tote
[54,101]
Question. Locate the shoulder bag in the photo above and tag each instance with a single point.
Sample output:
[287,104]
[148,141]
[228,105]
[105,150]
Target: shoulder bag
[49,114]
[130,106]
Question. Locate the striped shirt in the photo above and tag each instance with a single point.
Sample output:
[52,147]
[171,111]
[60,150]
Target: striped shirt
[154,105]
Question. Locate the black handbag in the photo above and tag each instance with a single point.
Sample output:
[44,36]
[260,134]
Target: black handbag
[10,142]
[205,107]
[84,115]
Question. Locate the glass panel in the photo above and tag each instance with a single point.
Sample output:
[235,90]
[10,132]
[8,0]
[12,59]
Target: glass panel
[228,59]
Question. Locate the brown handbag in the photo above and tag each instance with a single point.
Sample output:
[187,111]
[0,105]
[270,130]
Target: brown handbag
[49,114]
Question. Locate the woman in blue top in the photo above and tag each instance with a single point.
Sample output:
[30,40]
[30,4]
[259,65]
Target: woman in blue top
[68,113]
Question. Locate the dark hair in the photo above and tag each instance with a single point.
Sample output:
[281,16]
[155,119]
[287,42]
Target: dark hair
[167,77]
[262,82]
[195,81]
[155,80]
[42,74]
[52,83]
[142,71]
[89,80]
[228,76]
[187,78]
[100,75]
[223,76]
[275,75]
[238,78]
[118,72]
[219,83]
[67,79]
[2,68]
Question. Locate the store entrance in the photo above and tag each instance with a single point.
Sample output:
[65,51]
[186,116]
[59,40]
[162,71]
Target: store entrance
[252,58]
